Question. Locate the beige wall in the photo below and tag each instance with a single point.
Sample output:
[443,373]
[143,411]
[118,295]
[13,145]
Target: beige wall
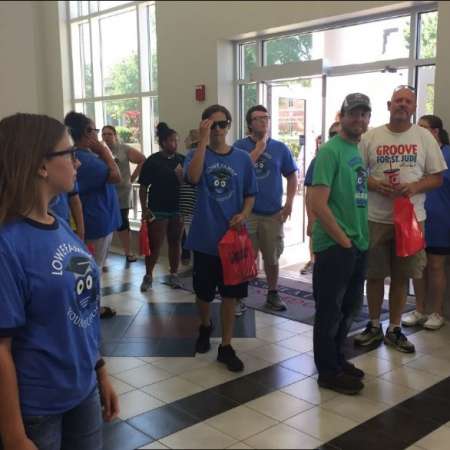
[190,33]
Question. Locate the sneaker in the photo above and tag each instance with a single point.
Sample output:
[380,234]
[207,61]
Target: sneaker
[227,355]
[434,322]
[174,281]
[398,340]
[202,345]
[307,268]
[147,282]
[350,369]
[342,383]
[274,302]
[414,318]
[371,335]
[239,308]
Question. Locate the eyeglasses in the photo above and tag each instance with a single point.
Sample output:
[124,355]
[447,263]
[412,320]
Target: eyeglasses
[90,130]
[70,151]
[405,86]
[221,124]
[261,118]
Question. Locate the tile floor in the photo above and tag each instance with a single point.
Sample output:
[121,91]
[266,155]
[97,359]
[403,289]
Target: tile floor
[187,401]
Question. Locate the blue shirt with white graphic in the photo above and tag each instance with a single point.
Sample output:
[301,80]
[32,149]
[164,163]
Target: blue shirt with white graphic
[310,174]
[437,206]
[275,162]
[225,182]
[101,209]
[50,299]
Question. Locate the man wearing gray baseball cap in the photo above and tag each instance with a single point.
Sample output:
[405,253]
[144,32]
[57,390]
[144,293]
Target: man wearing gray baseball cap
[340,241]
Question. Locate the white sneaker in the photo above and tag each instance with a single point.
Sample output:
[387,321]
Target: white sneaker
[434,322]
[414,318]
[238,309]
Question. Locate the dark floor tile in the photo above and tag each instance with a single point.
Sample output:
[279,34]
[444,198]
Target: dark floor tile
[401,425]
[107,348]
[115,327]
[157,309]
[162,422]
[441,389]
[147,348]
[359,439]
[121,436]
[428,407]
[205,404]
[303,364]
[274,377]
[176,347]
[242,390]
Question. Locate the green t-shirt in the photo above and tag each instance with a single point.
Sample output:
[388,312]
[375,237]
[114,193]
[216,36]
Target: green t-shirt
[340,167]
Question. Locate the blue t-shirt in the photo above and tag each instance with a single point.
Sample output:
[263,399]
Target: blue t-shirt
[310,173]
[276,161]
[101,209]
[225,182]
[50,299]
[60,204]
[437,206]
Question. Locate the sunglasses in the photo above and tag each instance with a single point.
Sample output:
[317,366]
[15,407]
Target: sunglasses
[261,118]
[70,151]
[405,86]
[221,124]
[90,130]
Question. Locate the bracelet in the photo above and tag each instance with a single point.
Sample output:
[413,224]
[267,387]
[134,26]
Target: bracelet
[100,363]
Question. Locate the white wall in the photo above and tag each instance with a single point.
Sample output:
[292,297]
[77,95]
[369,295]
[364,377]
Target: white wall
[19,60]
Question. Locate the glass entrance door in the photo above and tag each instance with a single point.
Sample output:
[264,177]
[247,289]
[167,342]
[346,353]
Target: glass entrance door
[296,110]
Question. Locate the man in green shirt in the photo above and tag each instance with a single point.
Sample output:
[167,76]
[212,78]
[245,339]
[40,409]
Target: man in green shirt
[340,242]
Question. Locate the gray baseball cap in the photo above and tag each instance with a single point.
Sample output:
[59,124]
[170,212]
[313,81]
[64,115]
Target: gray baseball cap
[356,100]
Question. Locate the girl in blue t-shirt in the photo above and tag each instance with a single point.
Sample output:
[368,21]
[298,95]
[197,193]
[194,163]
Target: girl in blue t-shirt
[52,376]
[97,177]
[437,238]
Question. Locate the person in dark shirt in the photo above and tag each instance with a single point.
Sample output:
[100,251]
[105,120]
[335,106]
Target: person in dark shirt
[160,180]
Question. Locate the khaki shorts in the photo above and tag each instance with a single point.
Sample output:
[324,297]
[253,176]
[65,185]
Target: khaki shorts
[266,233]
[383,262]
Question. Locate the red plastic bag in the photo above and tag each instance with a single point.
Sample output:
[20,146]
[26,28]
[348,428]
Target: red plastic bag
[144,244]
[408,235]
[91,248]
[237,257]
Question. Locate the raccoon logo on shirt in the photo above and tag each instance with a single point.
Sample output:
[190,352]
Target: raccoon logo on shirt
[219,181]
[262,166]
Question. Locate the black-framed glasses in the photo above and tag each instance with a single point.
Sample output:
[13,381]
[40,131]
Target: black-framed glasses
[221,124]
[70,151]
[405,86]
[90,130]
[261,118]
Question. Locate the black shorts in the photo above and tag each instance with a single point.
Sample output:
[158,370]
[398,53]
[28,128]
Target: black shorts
[125,222]
[438,250]
[208,277]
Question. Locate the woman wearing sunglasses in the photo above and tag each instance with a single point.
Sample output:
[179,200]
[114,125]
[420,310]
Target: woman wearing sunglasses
[160,180]
[52,377]
[96,178]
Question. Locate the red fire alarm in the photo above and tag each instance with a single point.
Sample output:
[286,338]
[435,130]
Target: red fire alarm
[200,93]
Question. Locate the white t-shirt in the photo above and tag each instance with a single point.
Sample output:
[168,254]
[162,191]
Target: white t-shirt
[415,152]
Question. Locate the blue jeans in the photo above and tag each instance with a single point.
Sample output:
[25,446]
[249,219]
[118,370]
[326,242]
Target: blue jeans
[77,429]
[338,286]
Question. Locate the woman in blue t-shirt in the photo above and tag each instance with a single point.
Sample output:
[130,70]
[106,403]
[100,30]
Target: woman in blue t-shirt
[52,376]
[96,177]
[437,237]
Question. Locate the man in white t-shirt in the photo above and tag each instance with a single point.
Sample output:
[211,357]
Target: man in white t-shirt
[402,159]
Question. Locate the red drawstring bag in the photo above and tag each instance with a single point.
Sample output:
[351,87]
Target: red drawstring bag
[144,244]
[237,257]
[408,235]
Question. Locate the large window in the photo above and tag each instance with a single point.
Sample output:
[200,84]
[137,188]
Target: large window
[114,67]
[372,55]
